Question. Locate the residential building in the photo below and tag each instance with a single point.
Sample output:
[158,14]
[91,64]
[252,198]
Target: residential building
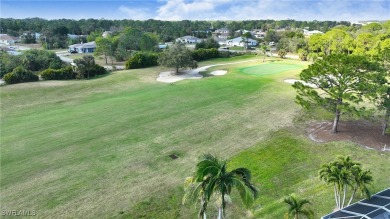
[8,40]
[377,207]
[189,39]
[74,36]
[240,42]
[82,47]
[106,34]
[309,33]
[222,33]
[259,34]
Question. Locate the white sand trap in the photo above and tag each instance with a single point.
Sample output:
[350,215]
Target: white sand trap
[218,72]
[292,81]
[170,76]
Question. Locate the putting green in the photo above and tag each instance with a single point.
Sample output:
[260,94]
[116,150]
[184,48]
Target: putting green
[269,69]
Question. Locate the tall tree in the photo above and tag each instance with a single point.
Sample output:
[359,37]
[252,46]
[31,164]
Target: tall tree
[104,46]
[213,177]
[345,173]
[342,80]
[177,56]
[297,206]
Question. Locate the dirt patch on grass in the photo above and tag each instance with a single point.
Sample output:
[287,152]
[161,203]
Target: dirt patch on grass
[363,133]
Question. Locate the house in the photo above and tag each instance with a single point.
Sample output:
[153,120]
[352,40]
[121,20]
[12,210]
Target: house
[74,36]
[240,42]
[222,33]
[377,207]
[220,41]
[106,34]
[8,40]
[82,47]
[259,34]
[309,33]
[188,39]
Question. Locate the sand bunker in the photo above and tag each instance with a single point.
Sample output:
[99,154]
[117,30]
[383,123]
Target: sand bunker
[218,72]
[170,76]
[292,81]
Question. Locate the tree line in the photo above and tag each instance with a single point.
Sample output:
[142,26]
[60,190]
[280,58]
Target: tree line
[350,69]
[167,30]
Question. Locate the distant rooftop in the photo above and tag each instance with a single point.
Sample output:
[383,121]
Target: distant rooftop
[377,207]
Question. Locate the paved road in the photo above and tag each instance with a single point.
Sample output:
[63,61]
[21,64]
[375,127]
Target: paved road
[62,55]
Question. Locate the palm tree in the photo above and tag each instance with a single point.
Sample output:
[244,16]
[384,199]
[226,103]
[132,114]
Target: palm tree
[330,174]
[195,191]
[344,173]
[360,181]
[214,178]
[297,206]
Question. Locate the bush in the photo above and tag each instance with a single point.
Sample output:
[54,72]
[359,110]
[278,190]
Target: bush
[8,62]
[58,74]
[20,75]
[303,54]
[204,54]
[97,70]
[282,53]
[87,68]
[38,60]
[227,54]
[142,60]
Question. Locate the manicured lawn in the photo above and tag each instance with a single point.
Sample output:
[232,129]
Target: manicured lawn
[100,148]
[269,68]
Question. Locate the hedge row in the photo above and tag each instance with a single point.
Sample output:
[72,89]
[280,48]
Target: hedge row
[204,54]
[58,74]
[20,75]
[142,60]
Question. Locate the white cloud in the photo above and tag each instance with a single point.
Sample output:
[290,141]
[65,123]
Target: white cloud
[135,13]
[195,10]
[269,9]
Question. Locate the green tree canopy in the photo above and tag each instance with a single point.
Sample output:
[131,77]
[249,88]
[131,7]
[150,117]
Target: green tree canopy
[297,206]
[177,56]
[340,81]
[212,177]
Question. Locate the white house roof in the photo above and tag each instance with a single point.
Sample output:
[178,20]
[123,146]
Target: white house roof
[7,37]
[222,30]
[239,39]
[189,38]
[84,45]
[306,32]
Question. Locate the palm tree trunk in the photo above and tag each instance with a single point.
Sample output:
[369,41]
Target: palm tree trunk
[353,194]
[335,196]
[337,117]
[339,197]
[345,192]
[220,212]
[385,122]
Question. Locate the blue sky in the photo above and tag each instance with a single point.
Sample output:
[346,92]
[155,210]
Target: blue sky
[351,10]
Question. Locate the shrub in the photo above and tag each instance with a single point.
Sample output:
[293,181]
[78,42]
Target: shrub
[303,54]
[87,68]
[142,60]
[204,54]
[38,60]
[20,75]
[282,53]
[58,74]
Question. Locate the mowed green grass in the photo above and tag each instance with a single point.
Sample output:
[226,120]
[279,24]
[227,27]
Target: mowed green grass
[99,148]
[269,68]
